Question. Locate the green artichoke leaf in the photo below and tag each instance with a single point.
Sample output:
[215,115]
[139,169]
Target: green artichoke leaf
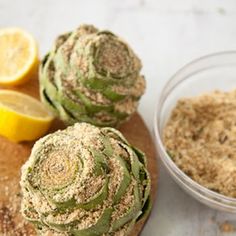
[47,69]
[101,165]
[66,115]
[101,227]
[146,182]
[108,150]
[135,164]
[62,61]
[72,204]
[31,215]
[125,182]
[66,205]
[98,199]
[75,107]
[62,227]
[106,32]
[146,209]
[112,95]
[49,88]
[48,102]
[105,88]
[44,61]
[119,115]
[98,83]
[141,156]
[113,133]
[133,212]
[90,106]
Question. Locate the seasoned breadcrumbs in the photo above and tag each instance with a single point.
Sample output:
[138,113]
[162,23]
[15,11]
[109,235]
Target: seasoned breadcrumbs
[200,137]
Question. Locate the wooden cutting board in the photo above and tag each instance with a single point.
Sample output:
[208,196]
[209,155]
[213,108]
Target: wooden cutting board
[13,155]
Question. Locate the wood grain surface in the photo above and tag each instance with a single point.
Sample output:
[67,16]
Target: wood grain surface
[13,155]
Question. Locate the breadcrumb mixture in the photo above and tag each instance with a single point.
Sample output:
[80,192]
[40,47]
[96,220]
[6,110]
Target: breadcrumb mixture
[200,137]
[227,227]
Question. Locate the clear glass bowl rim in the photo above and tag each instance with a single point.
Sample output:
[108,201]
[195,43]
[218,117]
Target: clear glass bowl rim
[157,129]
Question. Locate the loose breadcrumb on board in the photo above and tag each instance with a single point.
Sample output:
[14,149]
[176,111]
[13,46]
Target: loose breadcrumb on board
[11,222]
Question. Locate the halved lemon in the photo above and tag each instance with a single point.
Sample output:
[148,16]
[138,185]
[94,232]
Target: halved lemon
[22,117]
[18,56]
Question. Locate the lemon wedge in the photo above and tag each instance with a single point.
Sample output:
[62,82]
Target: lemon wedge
[22,118]
[18,56]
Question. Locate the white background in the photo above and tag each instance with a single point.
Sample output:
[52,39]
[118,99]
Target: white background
[166,34]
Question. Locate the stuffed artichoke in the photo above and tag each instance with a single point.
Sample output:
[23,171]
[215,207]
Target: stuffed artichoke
[91,76]
[85,181]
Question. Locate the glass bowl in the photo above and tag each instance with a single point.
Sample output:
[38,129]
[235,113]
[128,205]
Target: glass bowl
[212,72]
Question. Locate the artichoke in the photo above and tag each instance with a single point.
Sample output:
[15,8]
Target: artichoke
[85,181]
[91,76]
